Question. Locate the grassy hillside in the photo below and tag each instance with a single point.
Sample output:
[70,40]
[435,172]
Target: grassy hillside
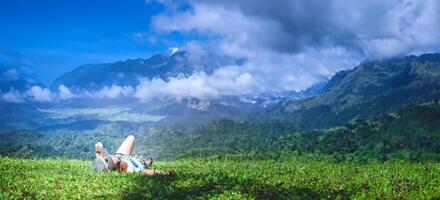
[225,178]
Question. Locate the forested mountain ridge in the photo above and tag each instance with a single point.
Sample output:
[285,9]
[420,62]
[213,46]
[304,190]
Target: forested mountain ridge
[372,88]
[411,134]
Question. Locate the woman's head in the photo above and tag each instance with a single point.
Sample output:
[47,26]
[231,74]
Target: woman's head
[122,166]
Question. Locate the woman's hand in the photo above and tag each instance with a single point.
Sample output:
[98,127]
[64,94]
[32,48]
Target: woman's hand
[98,148]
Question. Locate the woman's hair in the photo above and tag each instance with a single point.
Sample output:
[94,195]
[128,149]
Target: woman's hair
[122,166]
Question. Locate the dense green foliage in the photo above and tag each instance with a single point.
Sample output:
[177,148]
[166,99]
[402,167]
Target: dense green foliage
[226,178]
[412,134]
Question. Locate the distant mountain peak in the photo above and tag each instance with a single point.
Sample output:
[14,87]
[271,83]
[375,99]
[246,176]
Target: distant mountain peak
[157,58]
[96,76]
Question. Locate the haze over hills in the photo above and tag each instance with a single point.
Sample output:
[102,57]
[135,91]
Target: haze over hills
[111,90]
[131,73]
[370,89]
[119,82]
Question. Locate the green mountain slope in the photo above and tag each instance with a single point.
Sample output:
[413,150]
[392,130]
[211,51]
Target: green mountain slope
[411,134]
[372,88]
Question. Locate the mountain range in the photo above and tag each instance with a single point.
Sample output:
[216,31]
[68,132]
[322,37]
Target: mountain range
[370,89]
[128,72]
[93,77]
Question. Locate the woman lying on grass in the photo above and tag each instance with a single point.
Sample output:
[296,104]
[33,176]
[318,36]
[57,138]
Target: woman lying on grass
[123,161]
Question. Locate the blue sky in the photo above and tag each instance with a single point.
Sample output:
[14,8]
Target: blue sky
[55,36]
[286,45]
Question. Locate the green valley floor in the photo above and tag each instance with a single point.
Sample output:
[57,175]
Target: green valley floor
[221,178]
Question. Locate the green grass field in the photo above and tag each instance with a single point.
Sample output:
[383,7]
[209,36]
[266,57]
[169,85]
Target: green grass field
[221,179]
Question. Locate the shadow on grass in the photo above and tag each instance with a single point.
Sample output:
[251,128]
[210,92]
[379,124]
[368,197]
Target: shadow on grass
[190,187]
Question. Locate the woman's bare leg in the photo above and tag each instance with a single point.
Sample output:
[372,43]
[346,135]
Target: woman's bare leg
[127,146]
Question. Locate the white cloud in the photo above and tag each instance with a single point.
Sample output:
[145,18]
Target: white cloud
[230,80]
[173,50]
[65,93]
[291,45]
[114,92]
[406,28]
[37,93]
[12,96]
[224,81]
